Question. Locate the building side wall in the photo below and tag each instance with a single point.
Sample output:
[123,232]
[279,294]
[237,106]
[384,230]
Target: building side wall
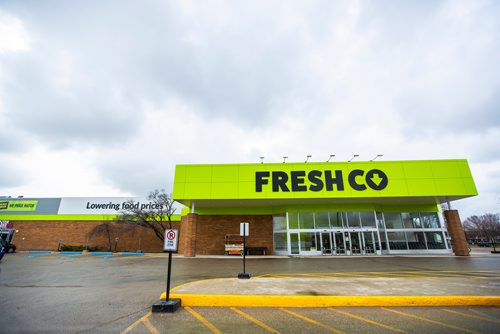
[211,231]
[45,235]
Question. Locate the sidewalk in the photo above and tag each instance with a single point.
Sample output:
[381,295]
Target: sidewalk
[317,290]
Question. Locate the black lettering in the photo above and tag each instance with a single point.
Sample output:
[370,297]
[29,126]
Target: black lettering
[376,179]
[260,181]
[352,180]
[329,181]
[314,177]
[279,181]
[298,181]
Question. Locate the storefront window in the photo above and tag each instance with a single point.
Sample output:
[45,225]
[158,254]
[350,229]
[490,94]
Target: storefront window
[380,220]
[279,223]
[306,220]
[280,241]
[397,240]
[293,220]
[294,243]
[435,240]
[367,219]
[321,219]
[416,240]
[405,231]
[393,220]
[407,221]
[308,241]
[353,219]
[431,219]
[383,241]
[336,219]
[416,221]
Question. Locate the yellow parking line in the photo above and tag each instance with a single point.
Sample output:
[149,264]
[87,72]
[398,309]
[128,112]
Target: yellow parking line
[152,329]
[279,276]
[255,321]
[203,320]
[472,316]
[316,275]
[328,328]
[394,329]
[129,328]
[348,274]
[406,274]
[431,321]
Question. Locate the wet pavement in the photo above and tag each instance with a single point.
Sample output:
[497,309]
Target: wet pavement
[95,294]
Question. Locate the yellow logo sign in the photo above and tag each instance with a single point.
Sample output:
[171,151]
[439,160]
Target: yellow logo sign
[18,205]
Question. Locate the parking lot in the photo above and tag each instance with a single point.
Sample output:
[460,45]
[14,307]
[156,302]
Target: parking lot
[322,320]
[113,294]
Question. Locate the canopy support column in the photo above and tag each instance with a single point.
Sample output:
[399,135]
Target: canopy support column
[456,231]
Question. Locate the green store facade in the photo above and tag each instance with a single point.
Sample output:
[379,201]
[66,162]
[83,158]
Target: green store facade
[329,209]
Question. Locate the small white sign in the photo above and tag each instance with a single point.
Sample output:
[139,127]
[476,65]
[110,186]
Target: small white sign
[244,229]
[171,237]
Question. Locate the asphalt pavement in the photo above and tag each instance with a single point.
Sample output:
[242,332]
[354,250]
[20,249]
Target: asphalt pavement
[108,294]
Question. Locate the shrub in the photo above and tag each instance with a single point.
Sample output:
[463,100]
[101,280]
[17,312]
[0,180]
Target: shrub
[77,248]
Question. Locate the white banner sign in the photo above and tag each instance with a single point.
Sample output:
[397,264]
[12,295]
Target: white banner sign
[104,205]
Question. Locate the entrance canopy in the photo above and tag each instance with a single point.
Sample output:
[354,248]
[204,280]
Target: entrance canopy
[348,186]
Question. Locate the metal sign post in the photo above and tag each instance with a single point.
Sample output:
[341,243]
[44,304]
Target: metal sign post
[244,231]
[170,245]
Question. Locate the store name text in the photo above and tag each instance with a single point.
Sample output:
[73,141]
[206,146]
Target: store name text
[316,180]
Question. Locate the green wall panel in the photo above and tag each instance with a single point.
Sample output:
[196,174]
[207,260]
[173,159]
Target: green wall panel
[426,178]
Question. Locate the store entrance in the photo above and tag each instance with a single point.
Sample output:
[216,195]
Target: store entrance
[354,242]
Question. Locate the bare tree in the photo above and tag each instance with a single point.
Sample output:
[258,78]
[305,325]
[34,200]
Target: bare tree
[156,215]
[486,226]
[103,229]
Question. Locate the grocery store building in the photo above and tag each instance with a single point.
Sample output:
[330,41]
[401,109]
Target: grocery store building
[296,209]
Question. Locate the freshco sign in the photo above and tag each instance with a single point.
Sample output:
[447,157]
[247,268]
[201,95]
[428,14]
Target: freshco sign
[316,180]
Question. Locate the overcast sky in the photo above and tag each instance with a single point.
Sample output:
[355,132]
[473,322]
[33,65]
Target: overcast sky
[104,98]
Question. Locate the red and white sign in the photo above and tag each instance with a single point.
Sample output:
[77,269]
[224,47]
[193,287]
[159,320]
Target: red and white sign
[171,237]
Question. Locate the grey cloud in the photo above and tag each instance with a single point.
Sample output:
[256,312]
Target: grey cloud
[223,63]
[10,175]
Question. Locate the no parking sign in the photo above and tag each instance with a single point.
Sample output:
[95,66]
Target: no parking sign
[170,240]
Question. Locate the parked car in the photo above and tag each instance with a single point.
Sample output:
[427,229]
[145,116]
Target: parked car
[484,244]
[8,246]
[2,252]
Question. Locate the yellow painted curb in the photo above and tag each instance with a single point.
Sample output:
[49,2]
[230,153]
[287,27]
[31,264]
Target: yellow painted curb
[327,301]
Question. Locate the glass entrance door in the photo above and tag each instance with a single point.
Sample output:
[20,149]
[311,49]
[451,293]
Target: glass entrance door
[326,243]
[294,244]
[343,242]
[339,243]
[356,243]
[369,242]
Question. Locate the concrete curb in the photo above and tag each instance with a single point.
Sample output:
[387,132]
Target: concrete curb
[328,301]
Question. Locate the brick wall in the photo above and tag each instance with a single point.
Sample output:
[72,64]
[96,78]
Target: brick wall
[45,235]
[211,230]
